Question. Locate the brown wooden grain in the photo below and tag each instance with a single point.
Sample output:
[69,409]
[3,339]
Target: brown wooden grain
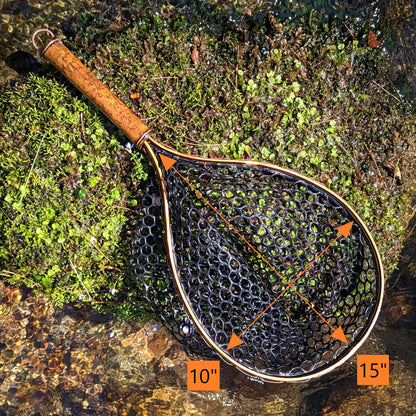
[67,63]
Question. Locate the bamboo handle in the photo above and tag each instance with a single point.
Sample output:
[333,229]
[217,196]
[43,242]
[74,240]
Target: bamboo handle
[83,79]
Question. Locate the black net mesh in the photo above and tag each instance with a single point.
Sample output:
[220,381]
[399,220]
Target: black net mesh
[149,264]
[290,222]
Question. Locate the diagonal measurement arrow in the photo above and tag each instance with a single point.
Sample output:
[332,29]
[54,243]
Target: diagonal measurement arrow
[338,333]
[168,163]
[343,230]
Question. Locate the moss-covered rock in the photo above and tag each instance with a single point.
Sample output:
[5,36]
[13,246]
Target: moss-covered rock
[304,94]
[64,193]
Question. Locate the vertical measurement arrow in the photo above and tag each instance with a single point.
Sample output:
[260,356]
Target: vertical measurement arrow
[343,230]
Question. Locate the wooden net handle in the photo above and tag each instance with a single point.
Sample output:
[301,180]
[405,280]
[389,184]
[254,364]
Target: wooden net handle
[83,79]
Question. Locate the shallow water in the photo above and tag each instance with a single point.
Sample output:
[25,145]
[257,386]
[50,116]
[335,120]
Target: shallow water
[398,19]
[67,361]
[18,21]
[71,361]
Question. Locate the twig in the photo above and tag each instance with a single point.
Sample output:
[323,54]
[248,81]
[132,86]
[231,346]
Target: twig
[323,121]
[79,278]
[9,274]
[392,85]
[81,117]
[349,30]
[121,206]
[93,244]
[372,158]
[389,93]
[297,55]
[160,77]
[31,169]
[115,203]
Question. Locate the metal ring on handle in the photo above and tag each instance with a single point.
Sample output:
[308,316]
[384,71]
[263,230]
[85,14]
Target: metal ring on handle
[40,31]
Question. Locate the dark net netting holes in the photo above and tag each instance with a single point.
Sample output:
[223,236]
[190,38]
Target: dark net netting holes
[289,221]
[148,262]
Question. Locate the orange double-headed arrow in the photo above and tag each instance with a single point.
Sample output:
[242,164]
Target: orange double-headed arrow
[337,333]
[344,230]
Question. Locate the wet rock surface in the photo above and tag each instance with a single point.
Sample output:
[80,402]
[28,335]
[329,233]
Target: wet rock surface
[399,20]
[71,361]
[77,362]
[18,21]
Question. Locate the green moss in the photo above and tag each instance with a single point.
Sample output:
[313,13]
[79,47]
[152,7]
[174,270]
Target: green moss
[61,218]
[316,108]
[304,94]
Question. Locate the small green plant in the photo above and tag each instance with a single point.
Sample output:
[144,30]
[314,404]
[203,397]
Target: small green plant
[61,215]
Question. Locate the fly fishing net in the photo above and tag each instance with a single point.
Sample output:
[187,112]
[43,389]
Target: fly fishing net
[289,221]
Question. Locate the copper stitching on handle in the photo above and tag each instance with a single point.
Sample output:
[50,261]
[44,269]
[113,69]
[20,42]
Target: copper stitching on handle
[50,43]
[143,138]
